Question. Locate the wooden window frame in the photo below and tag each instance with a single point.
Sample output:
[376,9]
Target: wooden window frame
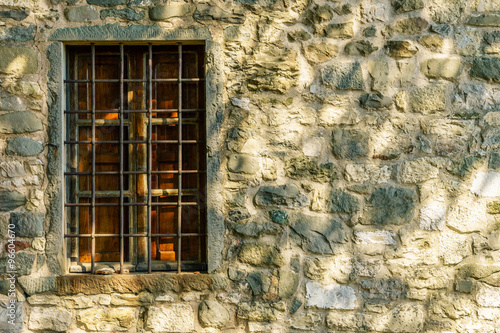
[72,200]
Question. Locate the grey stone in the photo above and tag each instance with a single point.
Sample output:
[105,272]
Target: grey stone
[400,49]
[23,264]
[350,143]
[261,255]
[69,2]
[212,314]
[259,282]
[279,216]
[259,311]
[11,200]
[235,275]
[11,312]
[206,12]
[299,35]
[404,6]
[34,286]
[40,261]
[491,139]
[238,215]
[492,37]
[23,146]
[11,103]
[318,14]
[360,48]
[442,29]
[125,13]
[319,234]
[443,68]
[464,286]
[18,60]
[388,289]
[370,31]
[288,283]
[254,229]
[285,195]
[409,26]
[19,122]
[54,319]
[296,304]
[17,15]
[243,164]
[343,10]
[18,34]
[390,205]
[343,202]
[107,3]
[347,75]
[306,168]
[486,68]
[375,101]
[159,13]
[463,165]
[485,20]
[336,30]
[494,160]
[219,282]
[81,13]
[27,224]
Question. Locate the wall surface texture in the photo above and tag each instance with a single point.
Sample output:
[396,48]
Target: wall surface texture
[354,155]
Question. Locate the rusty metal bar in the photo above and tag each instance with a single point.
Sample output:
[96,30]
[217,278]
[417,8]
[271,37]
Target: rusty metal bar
[132,142]
[192,234]
[122,74]
[179,197]
[136,80]
[131,204]
[133,172]
[93,212]
[150,138]
[133,111]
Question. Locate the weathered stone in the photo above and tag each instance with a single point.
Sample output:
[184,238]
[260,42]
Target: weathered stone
[442,29]
[25,88]
[486,184]
[370,31]
[400,49]
[205,12]
[11,200]
[212,314]
[23,264]
[320,52]
[488,296]
[18,60]
[279,216]
[107,3]
[467,41]
[318,14]
[34,286]
[346,75]
[360,48]
[18,34]
[331,270]
[27,224]
[463,166]
[304,167]
[368,173]
[319,234]
[12,169]
[350,143]
[336,30]
[417,171]
[464,286]
[409,26]
[486,68]
[388,289]
[23,146]
[442,68]
[258,311]
[11,103]
[254,229]
[433,217]
[343,10]
[81,13]
[285,195]
[374,237]
[125,13]
[428,99]
[332,296]
[170,318]
[243,164]
[299,35]
[404,6]
[448,12]
[466,216]
[343,202]
[431,278]
[491,139]
[306,321]
[261,255]
[454,247]
[485,20]
[288,283]
[406,317]
[13,314]
[259,282]
[17,15]
[102,319]
[19,122]
[375,101]
[390,205]
[432,42]
[493,207]
[159,13]
[54,319]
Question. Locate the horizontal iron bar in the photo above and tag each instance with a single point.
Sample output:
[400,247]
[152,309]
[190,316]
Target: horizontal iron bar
[192,234]
[186,203]
[194,79]
[133,111]
[97,173]
[130,142]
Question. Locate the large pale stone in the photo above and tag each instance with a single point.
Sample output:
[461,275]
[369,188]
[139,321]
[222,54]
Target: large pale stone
[360,173]
[380,73]
[19,122]
[18,60]
[467,216]
[261,255]
[29,4]
[81,13]
[332,296]
[433,217]
[454,247]
[330,270]
[488,296]
[12,169]
[170,318]
[243,164]
[374,237]
[451,306]
[320,52]
[417,171]
[158,13]
[443,68]
[107,319]
[27,224]
[55,319]
[212,314]
[347,75]
[428,99]
[406,317]
[486,184]
[306,321]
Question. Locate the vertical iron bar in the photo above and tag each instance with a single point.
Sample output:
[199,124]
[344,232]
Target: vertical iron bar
[122,70]
[150,156]
[92,79]
[179,192]
[198,125]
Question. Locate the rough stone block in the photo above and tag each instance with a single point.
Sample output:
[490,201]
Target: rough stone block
[375,101]
[107,319]
[318,14]
[336,30]
[374,237]
[360,173]
[243,164]
[390,205]
[332,296]
[260,311]
[261,255]
[383,289]
[17,15]
[442,68]
[485,20]
[306,321]
[27,224]
[404,6]
[304,167]
[486,184]
[433,217]
[12,169]
[486,68]
[400,49]
[488,296]
[54,319]
[205,12]
[428,99]
[285,195]
[11,312]
[320,52]
[18,60]
[125,13]
[159,13]
[81,13]
[409,26]
[467,216]
[170,318]
[288,283]
[23,146]
[343,202]
[417,171]
[343,76]
[360,48]
[18,34]
[406,317]
[350,143]
[19,122]
[212,314]
[11,200]
[107,3]
[454,247]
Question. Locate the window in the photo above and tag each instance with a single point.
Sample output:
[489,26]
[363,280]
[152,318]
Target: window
[135,157]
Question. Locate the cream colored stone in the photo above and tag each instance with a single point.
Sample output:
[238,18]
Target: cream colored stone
[454,247]
[107,319]
[433,216]
[375,174]
[38,244]
[55,319]
[417,171]
[170,318]
[467,216]
[332,296]
[329,270]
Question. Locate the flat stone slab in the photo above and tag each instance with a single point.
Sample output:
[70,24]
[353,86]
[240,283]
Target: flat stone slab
[332,296]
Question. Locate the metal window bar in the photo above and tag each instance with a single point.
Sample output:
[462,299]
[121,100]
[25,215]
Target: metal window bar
[91,99]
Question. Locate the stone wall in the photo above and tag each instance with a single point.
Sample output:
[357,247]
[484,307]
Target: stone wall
[357,148]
